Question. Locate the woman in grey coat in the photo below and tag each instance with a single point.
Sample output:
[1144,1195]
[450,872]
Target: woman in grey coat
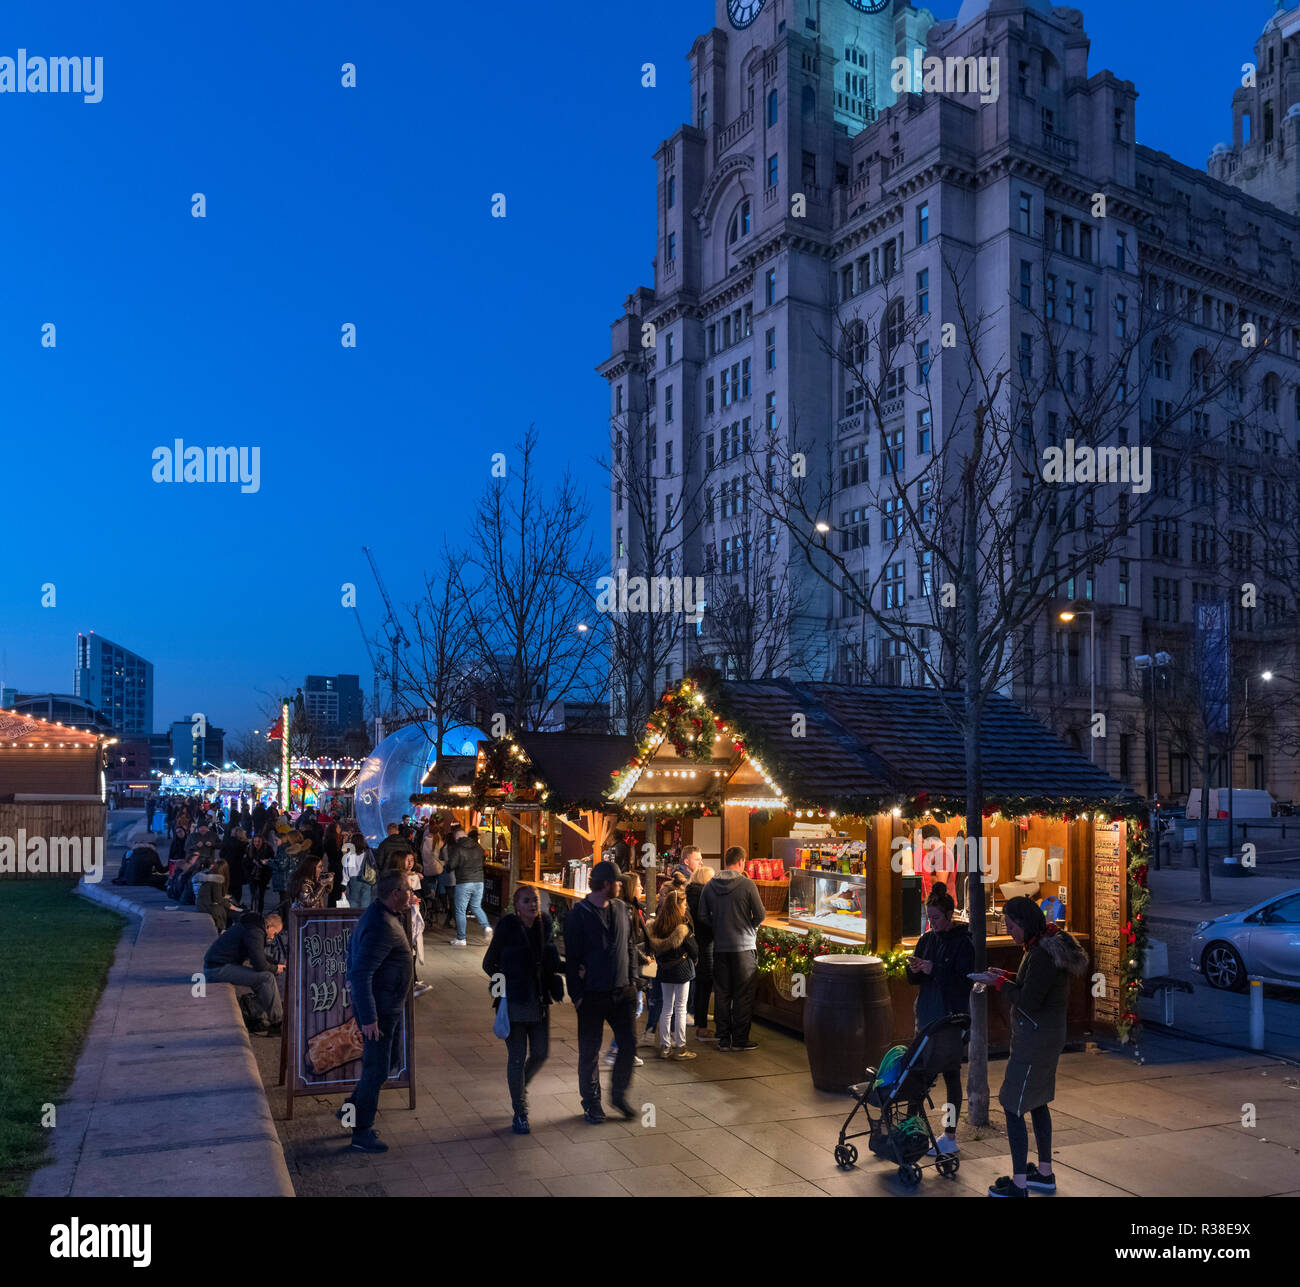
[1039,993]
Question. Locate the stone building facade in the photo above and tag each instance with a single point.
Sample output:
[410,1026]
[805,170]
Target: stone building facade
[750,285]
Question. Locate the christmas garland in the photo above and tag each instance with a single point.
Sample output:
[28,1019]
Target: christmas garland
[684,719]
[1135,933]
[788,952]
[502,765]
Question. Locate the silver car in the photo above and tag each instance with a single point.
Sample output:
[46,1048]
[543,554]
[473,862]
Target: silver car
[1263,940]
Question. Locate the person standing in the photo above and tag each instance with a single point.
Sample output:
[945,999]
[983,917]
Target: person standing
[523,956]
[732,908]
[232,854]
[944,955]
[379,976]
[676,952]
[601,970]
[704,941]
[359,863]
[466,864]
[1039,994]
[333,850]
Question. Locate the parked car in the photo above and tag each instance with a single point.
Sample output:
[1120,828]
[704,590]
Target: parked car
[1262,940]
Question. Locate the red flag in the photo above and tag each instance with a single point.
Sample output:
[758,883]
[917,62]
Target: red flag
[276,732]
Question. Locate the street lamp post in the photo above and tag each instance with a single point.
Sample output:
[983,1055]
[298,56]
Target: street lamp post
[1092,675]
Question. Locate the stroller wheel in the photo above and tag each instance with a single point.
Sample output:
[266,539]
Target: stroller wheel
[845,1155]
[947,1166]
[910,1175]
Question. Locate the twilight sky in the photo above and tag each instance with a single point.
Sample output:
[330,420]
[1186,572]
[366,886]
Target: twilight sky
[326,206]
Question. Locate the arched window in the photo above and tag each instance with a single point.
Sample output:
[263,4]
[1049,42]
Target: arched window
[740,222]
[1201,371]
[773,108]
[1272,392]
[894,325]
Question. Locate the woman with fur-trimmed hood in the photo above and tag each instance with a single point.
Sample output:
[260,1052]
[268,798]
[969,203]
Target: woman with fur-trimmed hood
[675,951]
[1039,994]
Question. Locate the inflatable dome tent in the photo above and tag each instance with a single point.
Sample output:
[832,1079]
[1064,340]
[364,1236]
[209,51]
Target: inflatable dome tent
[395,770]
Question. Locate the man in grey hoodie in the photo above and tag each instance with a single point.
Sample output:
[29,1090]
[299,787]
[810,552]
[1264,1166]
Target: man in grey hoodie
[733,908]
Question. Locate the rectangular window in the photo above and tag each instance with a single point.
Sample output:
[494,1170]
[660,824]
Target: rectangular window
[809,170]
[1026,356]
[922,363]
[773,108]
[892,452]
[726,387]
[1089,307]
[1121,317]
[1070,289]
[924,440]
[771,348]
[923,223]
[923,292]
[773,170]
[749,320]
[1124,582]
[1026,284]
[744,378]
[769,405]
[668,405]
[618,542]
[1049,297]
[672,247]
[708,451]
[668,353]
[668,459]
[708,396]
[894,586]
[1121,251]
[618,399]
[770,285]
[672,191]
[1026,214]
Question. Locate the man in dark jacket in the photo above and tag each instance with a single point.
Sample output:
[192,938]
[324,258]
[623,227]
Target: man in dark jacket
[466,864]
[379,976]
[142,866]
[600,964]
[732,908]
[238,956]
[391,845]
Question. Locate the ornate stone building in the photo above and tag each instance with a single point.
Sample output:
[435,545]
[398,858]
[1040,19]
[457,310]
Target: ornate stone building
[994,175]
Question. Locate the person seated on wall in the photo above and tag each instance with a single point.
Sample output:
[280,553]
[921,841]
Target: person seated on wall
[142,866]
[238,956]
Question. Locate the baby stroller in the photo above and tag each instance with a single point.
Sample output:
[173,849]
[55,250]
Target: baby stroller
[906,1074]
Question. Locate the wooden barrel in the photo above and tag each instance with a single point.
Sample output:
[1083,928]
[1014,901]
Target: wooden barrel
[848,1020]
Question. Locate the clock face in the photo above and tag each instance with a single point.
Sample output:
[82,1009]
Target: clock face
[743,12]
[870,6]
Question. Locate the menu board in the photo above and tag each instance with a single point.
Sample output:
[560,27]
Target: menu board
[324,1042]
[1109,885]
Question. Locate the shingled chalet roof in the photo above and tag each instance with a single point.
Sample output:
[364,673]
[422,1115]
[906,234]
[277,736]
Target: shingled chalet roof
[30,731]
[576,766]
[865,743]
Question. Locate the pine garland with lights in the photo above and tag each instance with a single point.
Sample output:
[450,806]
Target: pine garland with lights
[789,952]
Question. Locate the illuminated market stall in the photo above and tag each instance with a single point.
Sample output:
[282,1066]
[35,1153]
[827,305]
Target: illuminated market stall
[52,792]
[538,801]
[849,803]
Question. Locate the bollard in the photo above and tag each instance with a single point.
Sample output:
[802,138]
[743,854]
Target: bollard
[1257,1014]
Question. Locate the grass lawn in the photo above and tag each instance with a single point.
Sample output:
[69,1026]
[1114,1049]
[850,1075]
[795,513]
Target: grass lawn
[55,952]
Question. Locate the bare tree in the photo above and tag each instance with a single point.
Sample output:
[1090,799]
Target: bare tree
[526,587]
[996,516]
[439,672]
[659,499]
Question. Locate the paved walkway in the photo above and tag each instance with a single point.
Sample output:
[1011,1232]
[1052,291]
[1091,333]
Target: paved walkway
[166,1100]
[740,1125]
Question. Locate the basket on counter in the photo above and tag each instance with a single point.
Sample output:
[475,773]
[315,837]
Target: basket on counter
[774,893]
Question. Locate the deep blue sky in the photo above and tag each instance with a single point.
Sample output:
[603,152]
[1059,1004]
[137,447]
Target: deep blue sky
[329,205]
